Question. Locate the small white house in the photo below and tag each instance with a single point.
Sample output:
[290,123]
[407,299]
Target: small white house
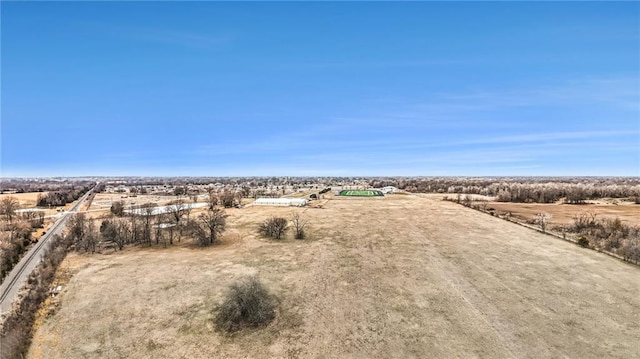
[298,202]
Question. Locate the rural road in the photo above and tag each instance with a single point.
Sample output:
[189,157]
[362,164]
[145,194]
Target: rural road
[18,276]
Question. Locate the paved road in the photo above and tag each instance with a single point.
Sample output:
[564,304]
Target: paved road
[18,276]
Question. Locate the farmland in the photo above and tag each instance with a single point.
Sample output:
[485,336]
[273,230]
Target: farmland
[26,199]
[564,214]
[412,276]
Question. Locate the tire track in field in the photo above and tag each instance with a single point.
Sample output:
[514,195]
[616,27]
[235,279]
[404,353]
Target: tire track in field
[475,301]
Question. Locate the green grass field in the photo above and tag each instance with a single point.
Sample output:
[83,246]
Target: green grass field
[360,193]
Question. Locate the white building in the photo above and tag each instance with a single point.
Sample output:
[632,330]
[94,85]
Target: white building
[299,202]
[389,189]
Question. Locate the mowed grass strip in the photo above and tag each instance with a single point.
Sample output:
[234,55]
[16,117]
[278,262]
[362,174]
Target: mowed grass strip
[361,193]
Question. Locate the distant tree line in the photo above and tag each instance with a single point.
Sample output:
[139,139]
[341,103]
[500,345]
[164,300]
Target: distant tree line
[41,185]
[60,198]
[15,232]
[147,227]
[522,190]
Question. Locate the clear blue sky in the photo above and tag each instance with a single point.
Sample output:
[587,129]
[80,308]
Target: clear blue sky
[336,89]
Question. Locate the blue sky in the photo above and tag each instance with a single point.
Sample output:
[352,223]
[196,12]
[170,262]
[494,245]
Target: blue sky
[335,89]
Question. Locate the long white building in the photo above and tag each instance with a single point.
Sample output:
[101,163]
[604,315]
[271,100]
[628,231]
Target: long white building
[298,202]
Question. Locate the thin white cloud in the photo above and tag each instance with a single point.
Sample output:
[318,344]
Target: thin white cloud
[175,37]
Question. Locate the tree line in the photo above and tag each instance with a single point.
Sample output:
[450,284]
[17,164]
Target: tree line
[523,190]
[15,232]
[607,234]
[16,328]
[62,197]
[147,227]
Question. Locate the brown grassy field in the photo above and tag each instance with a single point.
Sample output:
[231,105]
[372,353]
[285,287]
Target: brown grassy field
[395,277]
[563,214]
[26,200]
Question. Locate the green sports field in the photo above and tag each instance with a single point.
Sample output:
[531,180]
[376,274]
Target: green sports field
[360,193]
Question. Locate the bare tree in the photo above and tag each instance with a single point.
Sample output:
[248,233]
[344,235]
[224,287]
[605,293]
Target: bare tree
[147,214]
[228,198]
[298,225]
[8,207]
[36,218]
[77,227]
[135,228]
[82,232]
[274,227]
[117,208]
[122,231]
[542,220]
[213,197]
[176,211]
[180,190]
[210,225]
[245,191]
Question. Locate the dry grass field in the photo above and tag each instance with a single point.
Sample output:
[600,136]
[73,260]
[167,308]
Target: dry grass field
[563,214]
[105,200]
[396,277]
[27,200]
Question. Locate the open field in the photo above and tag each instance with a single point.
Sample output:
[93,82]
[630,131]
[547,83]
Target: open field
[563,214]
[26,200]
[105,200]
[397,277]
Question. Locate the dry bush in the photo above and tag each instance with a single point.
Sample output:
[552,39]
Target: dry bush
[583,242]
[274,227]
[247,304]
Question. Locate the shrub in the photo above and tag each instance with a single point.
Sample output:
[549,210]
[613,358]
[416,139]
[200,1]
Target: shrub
[583,242]
[247,304]
[274,227]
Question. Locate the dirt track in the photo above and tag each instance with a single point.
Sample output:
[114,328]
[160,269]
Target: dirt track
[401,276]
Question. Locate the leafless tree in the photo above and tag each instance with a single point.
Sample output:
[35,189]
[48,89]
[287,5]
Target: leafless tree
[467,201]
[82,232]
[117,208]
[123,232]
[228,198]
[147,215]
[176,211]
[36,218]
[542,220]
[135,228]
[212,197]
[77,226]
[298,225]
[274,227]
[209,225]
[8,207]
[245,191]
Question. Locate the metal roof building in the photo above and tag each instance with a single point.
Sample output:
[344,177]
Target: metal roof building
[299,202]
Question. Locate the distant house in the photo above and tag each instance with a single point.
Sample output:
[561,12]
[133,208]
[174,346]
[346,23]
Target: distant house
[297,202]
